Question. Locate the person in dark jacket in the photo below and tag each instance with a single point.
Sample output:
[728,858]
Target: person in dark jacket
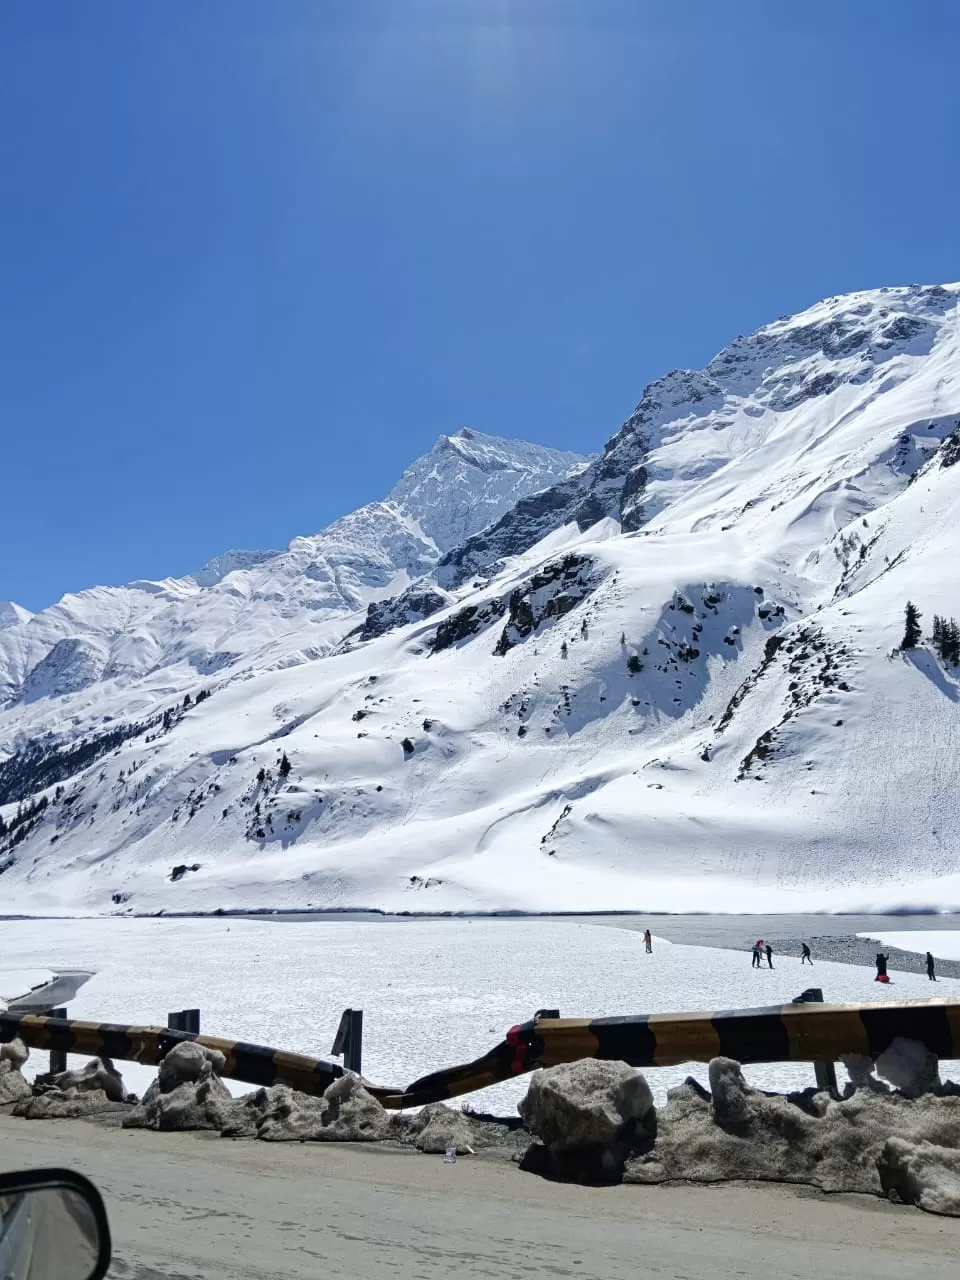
[931,970]
[881,968]
[755,962]
[769,950]
[805,954]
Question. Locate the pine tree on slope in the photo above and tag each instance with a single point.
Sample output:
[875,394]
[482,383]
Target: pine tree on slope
[938,633]
[911,631]
[950,646]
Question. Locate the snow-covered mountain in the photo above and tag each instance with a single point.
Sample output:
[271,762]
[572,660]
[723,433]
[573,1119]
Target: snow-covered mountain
[124,651]
[671,680]
[12,614]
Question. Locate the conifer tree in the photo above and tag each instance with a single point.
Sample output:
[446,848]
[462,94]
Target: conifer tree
[937,633]
[911,630]
[950,647]
[285,766]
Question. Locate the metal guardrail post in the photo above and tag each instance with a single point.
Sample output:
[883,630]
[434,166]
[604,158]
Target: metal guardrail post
[58,1058]
[184,1020]
[825,1072]
[349,1039]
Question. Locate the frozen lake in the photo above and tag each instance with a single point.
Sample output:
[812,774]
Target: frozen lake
[434,993]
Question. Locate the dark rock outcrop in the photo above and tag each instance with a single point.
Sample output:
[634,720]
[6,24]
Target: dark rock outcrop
[466,623]
[552,592]
[413,605]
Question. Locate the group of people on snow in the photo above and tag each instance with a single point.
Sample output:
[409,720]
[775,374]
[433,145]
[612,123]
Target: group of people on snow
[761,949]
[882,967]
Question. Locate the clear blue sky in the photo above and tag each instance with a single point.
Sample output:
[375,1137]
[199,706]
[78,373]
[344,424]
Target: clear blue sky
[255,257]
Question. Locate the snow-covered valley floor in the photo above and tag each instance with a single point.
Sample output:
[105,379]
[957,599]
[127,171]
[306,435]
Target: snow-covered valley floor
[434,993]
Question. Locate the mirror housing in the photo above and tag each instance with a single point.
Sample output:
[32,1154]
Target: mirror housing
[53,1226]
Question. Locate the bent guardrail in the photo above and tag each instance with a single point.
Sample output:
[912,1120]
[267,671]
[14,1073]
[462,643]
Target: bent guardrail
[780,1033]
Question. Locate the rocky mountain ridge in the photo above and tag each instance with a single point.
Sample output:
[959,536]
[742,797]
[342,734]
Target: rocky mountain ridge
[147,640]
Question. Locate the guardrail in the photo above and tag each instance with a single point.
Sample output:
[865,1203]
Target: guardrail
[801,1032]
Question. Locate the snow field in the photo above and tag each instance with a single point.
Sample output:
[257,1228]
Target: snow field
[943,943]
[434,993]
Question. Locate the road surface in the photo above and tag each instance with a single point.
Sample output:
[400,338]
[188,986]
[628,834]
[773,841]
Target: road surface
[185,1206]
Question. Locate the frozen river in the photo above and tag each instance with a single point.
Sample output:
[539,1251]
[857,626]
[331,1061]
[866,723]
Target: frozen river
[434,992]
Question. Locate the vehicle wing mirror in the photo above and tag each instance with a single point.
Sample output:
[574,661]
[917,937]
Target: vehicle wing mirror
[53,1226]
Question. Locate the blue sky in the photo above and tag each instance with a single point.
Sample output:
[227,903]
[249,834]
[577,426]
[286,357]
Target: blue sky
[255,258]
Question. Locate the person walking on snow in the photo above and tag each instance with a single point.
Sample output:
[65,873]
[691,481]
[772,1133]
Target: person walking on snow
[881,968]
[930,967]
[769,950]
[648,942]
[805,954]
[755,962]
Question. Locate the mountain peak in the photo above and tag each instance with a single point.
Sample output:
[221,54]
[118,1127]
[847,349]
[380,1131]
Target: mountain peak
[216,569]
[12,614]
[469,479]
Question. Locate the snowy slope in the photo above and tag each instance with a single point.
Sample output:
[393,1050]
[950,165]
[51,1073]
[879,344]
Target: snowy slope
[126,651]
[12,614]
[670,682]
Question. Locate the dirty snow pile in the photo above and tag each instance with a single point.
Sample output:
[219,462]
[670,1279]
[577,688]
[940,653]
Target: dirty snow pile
[670,680]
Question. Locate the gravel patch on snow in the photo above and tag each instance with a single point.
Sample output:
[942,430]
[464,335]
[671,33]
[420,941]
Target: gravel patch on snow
[853,949]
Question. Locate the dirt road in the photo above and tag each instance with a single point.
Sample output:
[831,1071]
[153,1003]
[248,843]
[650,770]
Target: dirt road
[186,1206]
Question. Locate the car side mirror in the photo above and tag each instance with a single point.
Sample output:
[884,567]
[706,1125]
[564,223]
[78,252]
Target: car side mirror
[53,1226]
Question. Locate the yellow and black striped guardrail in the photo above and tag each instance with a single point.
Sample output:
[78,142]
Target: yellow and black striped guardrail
[781,1033]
